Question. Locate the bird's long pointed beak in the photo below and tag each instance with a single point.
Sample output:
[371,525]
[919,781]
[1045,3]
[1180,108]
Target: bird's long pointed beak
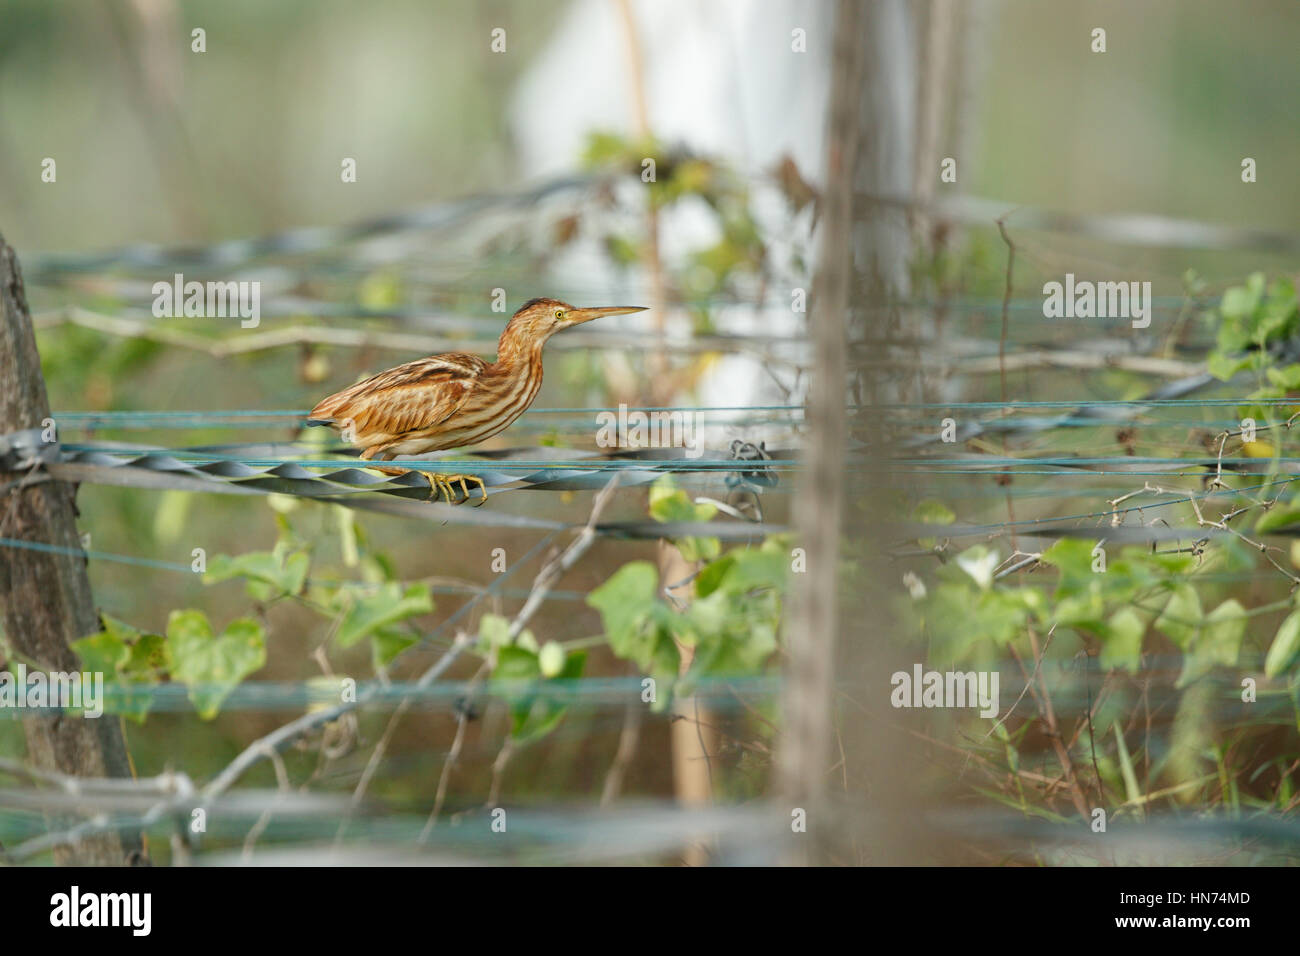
[577,316]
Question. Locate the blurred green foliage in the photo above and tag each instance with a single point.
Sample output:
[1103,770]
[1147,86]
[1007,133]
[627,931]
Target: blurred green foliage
[1125,607]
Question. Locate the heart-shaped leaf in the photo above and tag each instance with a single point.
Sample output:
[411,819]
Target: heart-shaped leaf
[386,605]
[1285,651]
[211,666]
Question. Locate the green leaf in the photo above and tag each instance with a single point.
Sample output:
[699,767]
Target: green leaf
[1279,516]
[1172,563]
[743,571]
[1285,651]
[1224,364]
[148,658]
[257,564]
[548,710]
[538,721]
[964,623]
[518,677]
[1073,558]
[757,569]
[211,667]
[733,623]
[625,601]
[1181,616]
[1240,302]
[1287,377]
[283,573]
[726,639]
[1274,316]
[1232,337]
[698,549]
[711,576]
[387,644]
[130,661]
[387,605]
[604,148]
[1123,643]
[1217,642]
[635,623]
[516,664]
[669,504]
[930,511]
[493,631]
[103,652]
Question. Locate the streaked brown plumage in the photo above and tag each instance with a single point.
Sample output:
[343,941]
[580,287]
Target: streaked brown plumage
[454,399]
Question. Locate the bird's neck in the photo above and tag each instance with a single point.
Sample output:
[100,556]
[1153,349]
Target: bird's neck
[515,349]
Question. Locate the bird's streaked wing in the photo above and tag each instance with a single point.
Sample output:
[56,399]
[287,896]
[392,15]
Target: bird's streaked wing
[404,400]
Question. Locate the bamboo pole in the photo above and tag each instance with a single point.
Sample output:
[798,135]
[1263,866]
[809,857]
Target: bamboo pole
[692,738]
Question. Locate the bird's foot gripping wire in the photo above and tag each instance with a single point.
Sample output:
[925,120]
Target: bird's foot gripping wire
[441,486]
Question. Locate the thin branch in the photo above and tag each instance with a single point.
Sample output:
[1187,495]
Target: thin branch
[277,740]
[628,739]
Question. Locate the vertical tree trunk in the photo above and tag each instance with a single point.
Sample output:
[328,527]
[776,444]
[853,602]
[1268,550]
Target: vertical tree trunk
[880,761]
[812,617]
[46,598]
[862,268]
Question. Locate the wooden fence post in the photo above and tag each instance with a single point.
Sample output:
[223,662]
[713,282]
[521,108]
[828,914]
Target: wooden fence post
[45,598]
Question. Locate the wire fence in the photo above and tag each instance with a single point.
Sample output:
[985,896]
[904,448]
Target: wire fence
[297,824]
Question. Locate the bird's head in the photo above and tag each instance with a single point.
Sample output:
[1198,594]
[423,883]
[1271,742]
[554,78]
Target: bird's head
[538,319]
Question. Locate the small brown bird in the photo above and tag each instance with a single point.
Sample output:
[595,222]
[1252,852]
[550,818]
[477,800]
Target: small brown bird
[454,399]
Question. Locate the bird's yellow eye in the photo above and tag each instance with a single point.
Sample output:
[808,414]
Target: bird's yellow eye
[559,313]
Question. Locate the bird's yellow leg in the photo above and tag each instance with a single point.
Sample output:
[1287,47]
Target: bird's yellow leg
[434,490]
[481,487]
[440,487]
[462,480]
